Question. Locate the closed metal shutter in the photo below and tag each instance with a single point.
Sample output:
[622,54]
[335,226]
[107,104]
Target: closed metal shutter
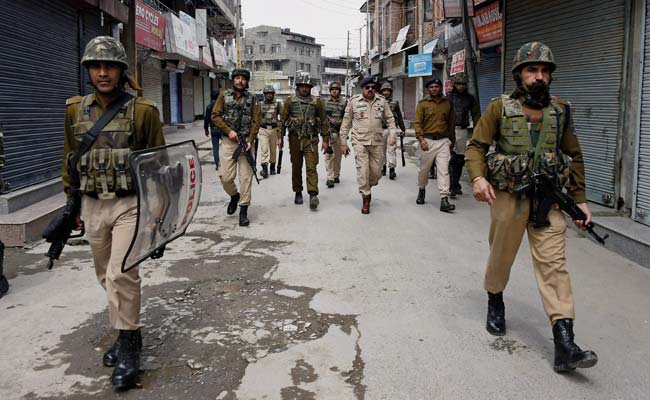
[641,210]
[39,50]
[587,43]
[489,79]
[174,97]
[409,86]
[152,84]
[199,107]
[187,99]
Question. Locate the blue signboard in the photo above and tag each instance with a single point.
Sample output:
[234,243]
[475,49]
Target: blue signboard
[420,65]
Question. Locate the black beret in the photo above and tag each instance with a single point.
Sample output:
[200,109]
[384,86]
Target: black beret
[367,81]
[432,81]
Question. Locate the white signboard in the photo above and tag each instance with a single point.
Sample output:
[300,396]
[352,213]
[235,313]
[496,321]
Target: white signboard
[206,57]
[182,34]
[457,63]
[201,26]
[220,55]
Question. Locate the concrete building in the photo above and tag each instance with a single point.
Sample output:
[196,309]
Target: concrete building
[275,55]
[338,69]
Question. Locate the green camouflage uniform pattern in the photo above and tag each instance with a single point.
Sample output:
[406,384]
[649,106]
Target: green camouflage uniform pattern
[516,158]
[231,110]
[268,89]
[335,109]
[270,112]
[460,77]
[533,52]
[105,48]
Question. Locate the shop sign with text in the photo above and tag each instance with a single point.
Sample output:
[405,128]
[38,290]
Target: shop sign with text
[149,26]
[488,23]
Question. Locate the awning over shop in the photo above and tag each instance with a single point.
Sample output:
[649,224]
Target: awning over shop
[396,47]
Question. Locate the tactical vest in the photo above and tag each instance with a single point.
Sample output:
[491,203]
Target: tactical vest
[515,158]
[304,116]
[335,110]
[462,106]
[392,104]
[270,113]
[232,110]
[104,170]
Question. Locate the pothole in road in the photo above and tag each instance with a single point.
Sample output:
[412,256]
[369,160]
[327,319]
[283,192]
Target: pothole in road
[202,332]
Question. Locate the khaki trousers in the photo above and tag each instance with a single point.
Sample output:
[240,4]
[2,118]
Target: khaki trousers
[440,153]
[110,226]
[269,143]
[462,136]
[229,169]
[509,221]
[333,161]
[369,160]
[390,158]
[307,149]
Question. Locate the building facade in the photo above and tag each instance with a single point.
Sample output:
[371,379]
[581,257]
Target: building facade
[276,55]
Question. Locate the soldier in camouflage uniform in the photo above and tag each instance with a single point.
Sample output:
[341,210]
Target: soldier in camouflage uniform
[269,131]
[4,284]
[109,204]
[334,108]
[464,105]
[391,150]
[237,110]
[534,132]
[304,116]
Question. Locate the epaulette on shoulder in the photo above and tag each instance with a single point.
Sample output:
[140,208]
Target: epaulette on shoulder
[74,100]
[145,101]
[356,96]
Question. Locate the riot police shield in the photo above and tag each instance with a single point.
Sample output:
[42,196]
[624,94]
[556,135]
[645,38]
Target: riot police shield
[168,183]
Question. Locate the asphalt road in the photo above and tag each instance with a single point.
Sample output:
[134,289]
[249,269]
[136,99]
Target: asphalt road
[330,304]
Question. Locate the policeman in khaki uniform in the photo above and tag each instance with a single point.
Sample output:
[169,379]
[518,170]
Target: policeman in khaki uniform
[109,203]
[304,116]
[391,150]
[334,108]
[269,132]
[435,124]
[365,115]
[534,133]
[237,110]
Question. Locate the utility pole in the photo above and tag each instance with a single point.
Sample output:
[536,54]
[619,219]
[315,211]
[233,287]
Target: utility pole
[347,67]
[419,86]
[470,57]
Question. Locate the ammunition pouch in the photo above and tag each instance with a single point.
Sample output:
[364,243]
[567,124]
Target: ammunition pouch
[508,172]
[105,173]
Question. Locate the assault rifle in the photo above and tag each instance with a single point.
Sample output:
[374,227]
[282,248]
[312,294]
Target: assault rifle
[60,228]
[543,194]
[243,145]
[283,129]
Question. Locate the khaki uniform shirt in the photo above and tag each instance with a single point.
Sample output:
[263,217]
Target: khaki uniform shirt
[147,129]
[435,117]
[217,112]
[365,118]
[486,131]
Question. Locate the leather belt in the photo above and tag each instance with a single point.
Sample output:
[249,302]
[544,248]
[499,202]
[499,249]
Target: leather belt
[435,136]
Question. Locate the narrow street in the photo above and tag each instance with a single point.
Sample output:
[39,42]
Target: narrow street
[330,304]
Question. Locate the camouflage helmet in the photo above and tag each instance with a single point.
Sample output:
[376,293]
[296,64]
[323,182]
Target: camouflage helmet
[268,89]
[105,48]
[303,80]
[533,52]
[460,77]
[335,85]
[241,72]
[386,85]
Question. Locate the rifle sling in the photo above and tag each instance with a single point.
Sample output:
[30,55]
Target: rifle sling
[92,134]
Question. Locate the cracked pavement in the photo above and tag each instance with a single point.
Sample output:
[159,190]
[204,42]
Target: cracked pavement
[329,304]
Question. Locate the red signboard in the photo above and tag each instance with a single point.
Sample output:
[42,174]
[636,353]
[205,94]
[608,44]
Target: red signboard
[457,63]
[488,23]
[149,26]
[449,86]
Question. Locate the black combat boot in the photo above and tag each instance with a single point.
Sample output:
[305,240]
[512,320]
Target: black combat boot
[272,169]
[337,180]
[496,314]
[391,174]
[568,356]
[298,198]
[445,205]
[110,357]
[365,206]
[313,200]
[433,172]
[232,206]
[125,374]
[243,216]
[329,183]
[383,170]
[420,199]
[265,171]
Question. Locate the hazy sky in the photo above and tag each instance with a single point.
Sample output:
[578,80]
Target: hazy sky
[327,21]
